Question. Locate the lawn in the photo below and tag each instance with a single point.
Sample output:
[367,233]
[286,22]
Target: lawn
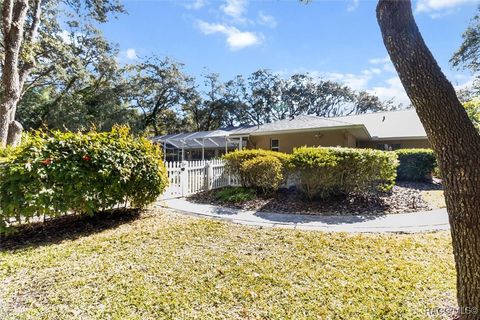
[435,198]
[164,265]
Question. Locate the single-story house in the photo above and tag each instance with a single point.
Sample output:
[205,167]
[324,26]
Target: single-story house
[382,130]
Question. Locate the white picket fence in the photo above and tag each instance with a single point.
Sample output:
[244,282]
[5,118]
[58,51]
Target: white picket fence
[190,177]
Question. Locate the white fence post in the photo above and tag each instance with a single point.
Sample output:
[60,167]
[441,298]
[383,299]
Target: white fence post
[209,175]
[184,178]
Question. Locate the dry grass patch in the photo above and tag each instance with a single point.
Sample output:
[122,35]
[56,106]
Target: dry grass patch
[435,198]
[164,265]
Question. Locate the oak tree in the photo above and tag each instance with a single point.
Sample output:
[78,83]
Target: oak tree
[452,136]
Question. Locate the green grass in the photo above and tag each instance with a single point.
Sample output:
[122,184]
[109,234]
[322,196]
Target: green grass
[235,194]
[166,266]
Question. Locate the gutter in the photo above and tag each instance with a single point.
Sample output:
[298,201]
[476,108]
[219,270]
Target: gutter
[375,138]
[358,126]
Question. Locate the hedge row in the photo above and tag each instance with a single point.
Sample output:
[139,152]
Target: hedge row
[321,172]
[57,173]
[325,172]
[416,164]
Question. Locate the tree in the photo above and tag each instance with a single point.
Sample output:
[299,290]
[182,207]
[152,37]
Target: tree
[468,55]
[21,22]
[452,136]
[161,89]
[78,82]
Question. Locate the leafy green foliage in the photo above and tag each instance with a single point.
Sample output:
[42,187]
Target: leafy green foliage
[469,52]
[415,164]
[235,194]
[264,173]
[325,172]
[243,163]
[57,173]
[473,110]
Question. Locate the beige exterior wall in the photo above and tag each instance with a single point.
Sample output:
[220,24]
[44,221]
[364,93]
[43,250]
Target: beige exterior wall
[419,143]
[342,138]
[289,141]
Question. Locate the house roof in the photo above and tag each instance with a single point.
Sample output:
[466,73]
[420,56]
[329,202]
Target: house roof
[300,122]
[403,124]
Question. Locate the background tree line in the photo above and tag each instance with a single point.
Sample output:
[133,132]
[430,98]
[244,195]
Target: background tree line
[154,94]
[66,75]
[77,82]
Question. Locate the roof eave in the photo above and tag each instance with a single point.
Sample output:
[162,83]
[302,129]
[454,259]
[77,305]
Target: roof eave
[332,128]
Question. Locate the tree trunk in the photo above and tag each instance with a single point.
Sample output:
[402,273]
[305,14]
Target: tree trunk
[452,136]
[15,130]
[14,16]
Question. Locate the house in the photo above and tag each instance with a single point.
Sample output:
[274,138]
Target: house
[382,130]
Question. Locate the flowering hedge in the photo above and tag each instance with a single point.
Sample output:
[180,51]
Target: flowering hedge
[53,173]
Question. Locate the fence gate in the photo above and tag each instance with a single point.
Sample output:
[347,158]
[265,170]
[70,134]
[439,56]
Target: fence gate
[174,189]
[189,177]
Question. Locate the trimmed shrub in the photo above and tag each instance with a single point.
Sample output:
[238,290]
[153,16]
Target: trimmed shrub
[325,172]
[57,173]
[235,165]
[415,164]
[263,173]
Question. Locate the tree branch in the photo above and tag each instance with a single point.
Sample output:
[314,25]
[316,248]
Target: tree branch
[31,37]
[7,9]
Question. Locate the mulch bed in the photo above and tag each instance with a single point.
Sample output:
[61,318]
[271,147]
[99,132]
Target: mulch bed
[405,197]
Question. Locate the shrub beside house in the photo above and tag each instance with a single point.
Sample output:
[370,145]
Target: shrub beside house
[318,172]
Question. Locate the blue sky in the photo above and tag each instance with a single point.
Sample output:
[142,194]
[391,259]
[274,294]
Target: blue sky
[337,40]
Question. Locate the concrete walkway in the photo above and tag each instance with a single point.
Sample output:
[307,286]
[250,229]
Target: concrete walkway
[405,222]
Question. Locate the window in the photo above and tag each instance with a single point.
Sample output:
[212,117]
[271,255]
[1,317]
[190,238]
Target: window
[389,147]
[274,145]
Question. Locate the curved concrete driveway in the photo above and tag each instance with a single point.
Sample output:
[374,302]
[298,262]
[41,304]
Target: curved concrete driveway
[404,222]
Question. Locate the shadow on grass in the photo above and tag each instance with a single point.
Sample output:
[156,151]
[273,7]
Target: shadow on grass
[65,228]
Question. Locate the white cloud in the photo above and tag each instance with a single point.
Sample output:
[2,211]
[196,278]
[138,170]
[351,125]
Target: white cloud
[236,39]
[379,60]
[391,89]
[438,5]
[131,54]
[385,63]
[267,20]
[235,8]
[354,81]
[353,5]
[196,4]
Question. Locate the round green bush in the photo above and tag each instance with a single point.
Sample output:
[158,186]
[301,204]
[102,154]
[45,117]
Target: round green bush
[235,160]
[415,164]
[57,172]
[264,173]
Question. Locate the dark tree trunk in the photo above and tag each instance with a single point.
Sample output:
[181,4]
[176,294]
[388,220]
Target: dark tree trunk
[452,136]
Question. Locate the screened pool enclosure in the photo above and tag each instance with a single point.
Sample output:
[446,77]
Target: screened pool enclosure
[201,145]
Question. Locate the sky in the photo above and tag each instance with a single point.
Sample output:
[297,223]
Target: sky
[336,40]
